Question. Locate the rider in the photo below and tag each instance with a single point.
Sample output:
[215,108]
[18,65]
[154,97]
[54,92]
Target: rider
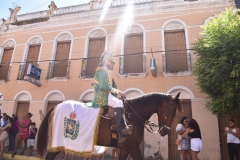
[102,96]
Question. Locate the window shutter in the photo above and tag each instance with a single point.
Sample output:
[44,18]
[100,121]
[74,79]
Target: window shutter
[33,53]
[133,63]
[61,59]
[95,49]
[176,54]
[5,63]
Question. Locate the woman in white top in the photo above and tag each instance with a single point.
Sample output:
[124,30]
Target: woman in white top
[184,146]
[233,141]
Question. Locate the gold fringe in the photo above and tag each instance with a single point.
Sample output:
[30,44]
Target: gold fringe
[68,151]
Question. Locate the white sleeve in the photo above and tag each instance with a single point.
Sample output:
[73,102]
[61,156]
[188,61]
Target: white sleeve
[179,127]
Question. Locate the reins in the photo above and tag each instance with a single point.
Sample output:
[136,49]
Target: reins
[147,122]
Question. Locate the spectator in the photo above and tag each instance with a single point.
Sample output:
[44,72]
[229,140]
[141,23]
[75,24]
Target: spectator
[117,151]
[41,115]
[4,133]
[4,120]
[31,140]
[194,133]
[233,141]
[184,146]
[23,133]
[12,133]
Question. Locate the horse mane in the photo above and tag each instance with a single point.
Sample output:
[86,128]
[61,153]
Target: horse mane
[151,99]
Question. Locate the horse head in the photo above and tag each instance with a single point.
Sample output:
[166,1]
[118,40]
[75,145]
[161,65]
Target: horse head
[165,118]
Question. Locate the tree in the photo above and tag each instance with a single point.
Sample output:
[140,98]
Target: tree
[217,65]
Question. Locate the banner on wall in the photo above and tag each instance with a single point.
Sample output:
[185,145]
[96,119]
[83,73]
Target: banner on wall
[33,74]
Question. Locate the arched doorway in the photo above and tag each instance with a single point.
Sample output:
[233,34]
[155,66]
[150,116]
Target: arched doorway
[23,99]
[53,98]
[186,96]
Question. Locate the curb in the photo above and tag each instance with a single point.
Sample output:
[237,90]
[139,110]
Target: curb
[20,157]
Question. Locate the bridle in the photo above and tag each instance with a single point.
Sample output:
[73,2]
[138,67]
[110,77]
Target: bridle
[169,111]
[148,123]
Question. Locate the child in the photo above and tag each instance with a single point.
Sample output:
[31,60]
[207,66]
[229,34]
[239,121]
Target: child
[31,140]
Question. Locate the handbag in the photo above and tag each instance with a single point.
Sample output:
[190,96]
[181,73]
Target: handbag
[178,141]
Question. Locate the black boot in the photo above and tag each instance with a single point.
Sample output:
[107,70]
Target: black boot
[122,133]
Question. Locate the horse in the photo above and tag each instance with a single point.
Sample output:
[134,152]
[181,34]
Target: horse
[139,110]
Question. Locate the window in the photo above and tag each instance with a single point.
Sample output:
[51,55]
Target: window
[176,58]
[61,59]
[95,49]
[175,51]
[133,59]
[6,54]
[5,63]
[59,68]
[31,55]
[96,45]
[133,53]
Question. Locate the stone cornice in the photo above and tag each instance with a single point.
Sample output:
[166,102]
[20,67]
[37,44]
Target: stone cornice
[114,14]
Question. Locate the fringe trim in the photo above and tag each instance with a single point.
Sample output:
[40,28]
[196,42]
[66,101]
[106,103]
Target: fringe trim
[68,151]
[96,130]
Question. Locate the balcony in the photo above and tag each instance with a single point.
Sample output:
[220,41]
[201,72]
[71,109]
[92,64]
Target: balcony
[41,15]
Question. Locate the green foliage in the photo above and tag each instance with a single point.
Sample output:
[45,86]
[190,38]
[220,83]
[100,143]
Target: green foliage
[217,65]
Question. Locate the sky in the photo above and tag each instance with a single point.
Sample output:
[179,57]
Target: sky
[28,6]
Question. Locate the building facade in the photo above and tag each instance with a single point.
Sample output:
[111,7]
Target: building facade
[66,43]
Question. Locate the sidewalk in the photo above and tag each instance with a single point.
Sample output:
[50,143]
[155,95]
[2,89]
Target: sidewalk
[7,156]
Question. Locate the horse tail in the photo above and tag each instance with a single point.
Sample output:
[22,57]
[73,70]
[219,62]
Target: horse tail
[42,137]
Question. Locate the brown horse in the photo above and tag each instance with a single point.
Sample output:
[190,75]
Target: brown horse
[139,109]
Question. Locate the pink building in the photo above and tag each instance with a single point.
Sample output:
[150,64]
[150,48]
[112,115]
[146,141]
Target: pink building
[60,40]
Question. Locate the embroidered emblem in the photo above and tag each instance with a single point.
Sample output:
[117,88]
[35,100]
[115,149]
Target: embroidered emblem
[71,127]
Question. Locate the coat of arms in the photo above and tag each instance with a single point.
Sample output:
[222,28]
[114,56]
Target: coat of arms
[71,127]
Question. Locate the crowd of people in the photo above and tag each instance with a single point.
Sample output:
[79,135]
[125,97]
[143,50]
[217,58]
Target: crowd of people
[10,127]
[189,141]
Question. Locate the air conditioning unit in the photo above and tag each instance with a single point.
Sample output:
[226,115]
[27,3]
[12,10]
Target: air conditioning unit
[153,67]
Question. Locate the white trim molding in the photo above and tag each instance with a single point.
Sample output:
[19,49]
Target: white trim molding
[134,89]
[16,97]
[9,43]
[33,40]
[133,29]
[63,36]
[181,88]
[52,92]
[94,33]
[85,93]
[175,24]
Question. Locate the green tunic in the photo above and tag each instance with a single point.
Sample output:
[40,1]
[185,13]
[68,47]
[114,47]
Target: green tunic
[102,87]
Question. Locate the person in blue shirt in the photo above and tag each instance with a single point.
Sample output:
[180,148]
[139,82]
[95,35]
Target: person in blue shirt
[4,120]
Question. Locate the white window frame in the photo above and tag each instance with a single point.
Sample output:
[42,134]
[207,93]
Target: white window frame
[133,29]
[176,24]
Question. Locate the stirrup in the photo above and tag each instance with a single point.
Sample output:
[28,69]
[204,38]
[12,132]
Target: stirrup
[127,130]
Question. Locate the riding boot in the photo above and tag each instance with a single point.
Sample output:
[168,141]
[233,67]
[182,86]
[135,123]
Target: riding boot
[122,133]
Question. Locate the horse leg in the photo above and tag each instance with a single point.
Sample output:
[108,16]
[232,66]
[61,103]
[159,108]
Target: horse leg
[51,155]
[134,151]
[123,154]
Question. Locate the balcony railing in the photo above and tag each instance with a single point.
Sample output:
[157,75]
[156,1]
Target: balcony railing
[176,62]
[94,5]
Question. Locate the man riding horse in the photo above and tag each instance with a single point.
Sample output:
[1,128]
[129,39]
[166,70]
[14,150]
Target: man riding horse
[102,96]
